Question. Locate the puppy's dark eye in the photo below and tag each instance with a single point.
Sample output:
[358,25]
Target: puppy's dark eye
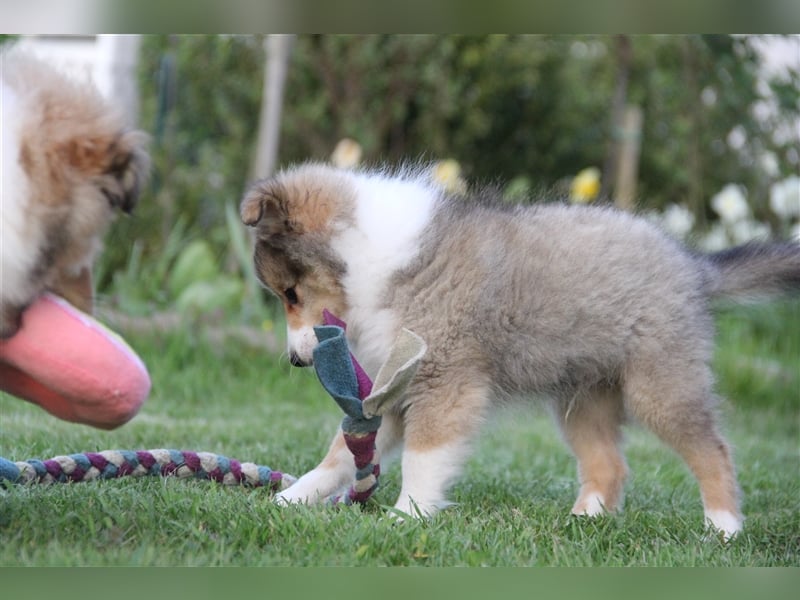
[291,296]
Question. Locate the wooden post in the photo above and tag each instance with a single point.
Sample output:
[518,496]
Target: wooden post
[623,52]
[277,47]
[630,138]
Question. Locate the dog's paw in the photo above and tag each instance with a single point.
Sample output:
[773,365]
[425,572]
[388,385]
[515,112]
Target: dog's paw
[408,508]
[312,488]
[296,494]
[286,498]
[590,505]
[724,523]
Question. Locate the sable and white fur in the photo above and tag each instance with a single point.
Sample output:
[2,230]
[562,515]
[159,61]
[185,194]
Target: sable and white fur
[67,165]
[594,309]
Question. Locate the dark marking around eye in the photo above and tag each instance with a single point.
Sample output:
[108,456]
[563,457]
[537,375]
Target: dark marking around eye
[291,296]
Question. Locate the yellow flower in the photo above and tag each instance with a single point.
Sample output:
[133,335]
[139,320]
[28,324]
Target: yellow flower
[347,154]
[585,186]
[447,173]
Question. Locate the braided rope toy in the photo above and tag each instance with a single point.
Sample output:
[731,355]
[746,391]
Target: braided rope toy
[362,401]
[111,464]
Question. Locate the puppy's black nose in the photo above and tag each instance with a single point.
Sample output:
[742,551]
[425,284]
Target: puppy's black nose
[296,360]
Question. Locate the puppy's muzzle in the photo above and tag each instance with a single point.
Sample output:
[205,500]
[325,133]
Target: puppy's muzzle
[296,361]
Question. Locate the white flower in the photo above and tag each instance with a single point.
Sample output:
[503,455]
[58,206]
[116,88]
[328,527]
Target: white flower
[768,163]
[730,204]
[715,240]
[784,197]
[737,137]
[709,96]
[747,230]
[677,220]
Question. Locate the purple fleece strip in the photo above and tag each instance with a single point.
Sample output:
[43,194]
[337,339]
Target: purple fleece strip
[364,382]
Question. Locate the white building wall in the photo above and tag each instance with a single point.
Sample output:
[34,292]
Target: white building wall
[107,60]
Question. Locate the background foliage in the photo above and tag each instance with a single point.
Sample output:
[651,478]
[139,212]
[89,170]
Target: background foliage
[532,109]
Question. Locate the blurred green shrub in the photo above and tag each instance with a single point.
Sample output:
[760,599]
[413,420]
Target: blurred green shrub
[534,110]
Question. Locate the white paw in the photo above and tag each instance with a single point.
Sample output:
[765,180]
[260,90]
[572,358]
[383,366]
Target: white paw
[407,507]
[287,497]
[725,522]
[312,488]
[590,505]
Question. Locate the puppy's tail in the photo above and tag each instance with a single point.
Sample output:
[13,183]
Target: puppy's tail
[754,271]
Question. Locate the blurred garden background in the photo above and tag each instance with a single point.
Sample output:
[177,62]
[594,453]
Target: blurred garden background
[702,132]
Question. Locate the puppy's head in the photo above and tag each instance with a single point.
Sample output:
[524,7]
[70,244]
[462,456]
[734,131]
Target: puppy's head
[116,167]
[294,215]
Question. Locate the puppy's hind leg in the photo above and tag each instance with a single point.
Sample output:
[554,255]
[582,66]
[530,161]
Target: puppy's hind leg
[591,426]
[672,396]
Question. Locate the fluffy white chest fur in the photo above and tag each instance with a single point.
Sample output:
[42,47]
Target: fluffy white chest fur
[17,233]
[390,215]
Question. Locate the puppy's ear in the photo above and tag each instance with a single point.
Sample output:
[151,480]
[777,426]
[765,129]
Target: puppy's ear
[264,204]
[127,171]
[118,163]
[251,209]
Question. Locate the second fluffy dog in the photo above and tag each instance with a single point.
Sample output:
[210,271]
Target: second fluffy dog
[68,166]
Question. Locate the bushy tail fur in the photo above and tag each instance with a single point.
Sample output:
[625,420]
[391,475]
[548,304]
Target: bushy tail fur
[754,271]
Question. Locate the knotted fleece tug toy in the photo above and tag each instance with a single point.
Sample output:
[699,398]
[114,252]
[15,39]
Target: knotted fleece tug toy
[362,401]
[341,376]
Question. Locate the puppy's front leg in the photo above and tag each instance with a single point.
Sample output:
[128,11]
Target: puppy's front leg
[337,470]
[438,431]
[334,472]
[428,473]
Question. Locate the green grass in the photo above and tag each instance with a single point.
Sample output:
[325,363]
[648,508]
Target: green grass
[512,502]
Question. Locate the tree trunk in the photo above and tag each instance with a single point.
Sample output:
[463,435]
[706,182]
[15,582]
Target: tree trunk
[277,48]
[628,158]
[624,53]
[694,112]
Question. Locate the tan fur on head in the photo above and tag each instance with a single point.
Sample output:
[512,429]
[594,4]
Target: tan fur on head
[81,165]
[295,214]
[297,202]
[72,140]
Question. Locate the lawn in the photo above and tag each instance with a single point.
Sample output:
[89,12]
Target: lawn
[512,504]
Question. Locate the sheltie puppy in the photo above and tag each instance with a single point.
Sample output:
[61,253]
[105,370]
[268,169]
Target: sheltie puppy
[593,309]
[68,164]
